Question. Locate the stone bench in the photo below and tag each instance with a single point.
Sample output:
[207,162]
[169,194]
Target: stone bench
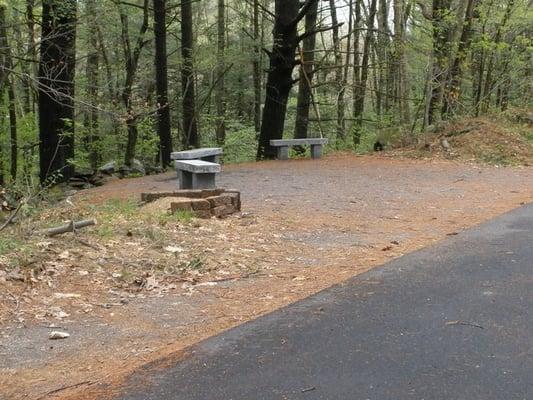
[210,154]
[197,174]
[283,145]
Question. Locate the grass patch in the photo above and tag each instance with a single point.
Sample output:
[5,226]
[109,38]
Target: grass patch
[9,244]
[180,216]
[125,207]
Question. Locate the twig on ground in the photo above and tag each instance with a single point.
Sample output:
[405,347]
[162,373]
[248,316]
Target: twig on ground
[70,227]
[11,217]
[64,388]
[466,323]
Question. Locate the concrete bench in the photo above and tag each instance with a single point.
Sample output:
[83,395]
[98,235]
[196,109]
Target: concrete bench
[210,154]
[197,174]
[284,144]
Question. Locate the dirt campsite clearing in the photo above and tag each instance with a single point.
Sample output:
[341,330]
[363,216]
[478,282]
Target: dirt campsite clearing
[143,285]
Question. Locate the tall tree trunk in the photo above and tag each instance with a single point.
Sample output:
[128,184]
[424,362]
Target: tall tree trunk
[93,64]
[257,68]
[338,68]
[487,90]
[6,80]
[282,62]
[361,85]
[190,121]
[382,46]
[32,52]
[341,106]
[305,82]
[161,77]
[131,58]
[56,89]
[402,85]
[13,141]
[220,87]
[356,55]
[453,91]
[441,34]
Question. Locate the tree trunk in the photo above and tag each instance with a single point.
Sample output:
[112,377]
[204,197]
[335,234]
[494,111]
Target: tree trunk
[400,64]
[161,77]
[453,91]
[341,106]
[220,87]
[131,59]
[382,46]
[338,69]
[6,80]
[56,89]
[257,68]
[441,34]
[487,90]
[190,123]
[307,67]
[279,80]
[13,142]
[93,64]
[361,85]
[356,55]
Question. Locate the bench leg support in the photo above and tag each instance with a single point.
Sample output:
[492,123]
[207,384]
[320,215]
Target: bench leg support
[316,151]
[185,179]
[283,153]
[203,181]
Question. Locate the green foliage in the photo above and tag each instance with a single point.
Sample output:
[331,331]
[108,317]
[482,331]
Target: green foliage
[241,143]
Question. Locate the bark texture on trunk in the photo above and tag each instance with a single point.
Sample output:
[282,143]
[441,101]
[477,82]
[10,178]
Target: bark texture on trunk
[190,122]
[131,57]
[401,15]
[307,67]
[279,81]
[56,89]
[441,46]
[257,68]
[453,90]
[360,89]
[161,77]
[220,95]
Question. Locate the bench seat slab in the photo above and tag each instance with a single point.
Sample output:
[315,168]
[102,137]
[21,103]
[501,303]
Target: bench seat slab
[206,154]
[299,142]
[198,166]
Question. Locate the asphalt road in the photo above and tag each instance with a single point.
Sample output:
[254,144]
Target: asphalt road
[454,321]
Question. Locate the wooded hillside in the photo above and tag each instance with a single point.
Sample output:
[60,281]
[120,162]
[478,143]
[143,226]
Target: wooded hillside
[86,82]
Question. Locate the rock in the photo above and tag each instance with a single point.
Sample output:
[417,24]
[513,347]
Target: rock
[98,179]
[109,169]
[79,183]
[151,170]
[137,167]
[57,335]
[124,171]
[15,276]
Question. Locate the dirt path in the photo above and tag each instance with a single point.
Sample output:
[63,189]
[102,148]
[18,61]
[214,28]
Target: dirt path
[309,225]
